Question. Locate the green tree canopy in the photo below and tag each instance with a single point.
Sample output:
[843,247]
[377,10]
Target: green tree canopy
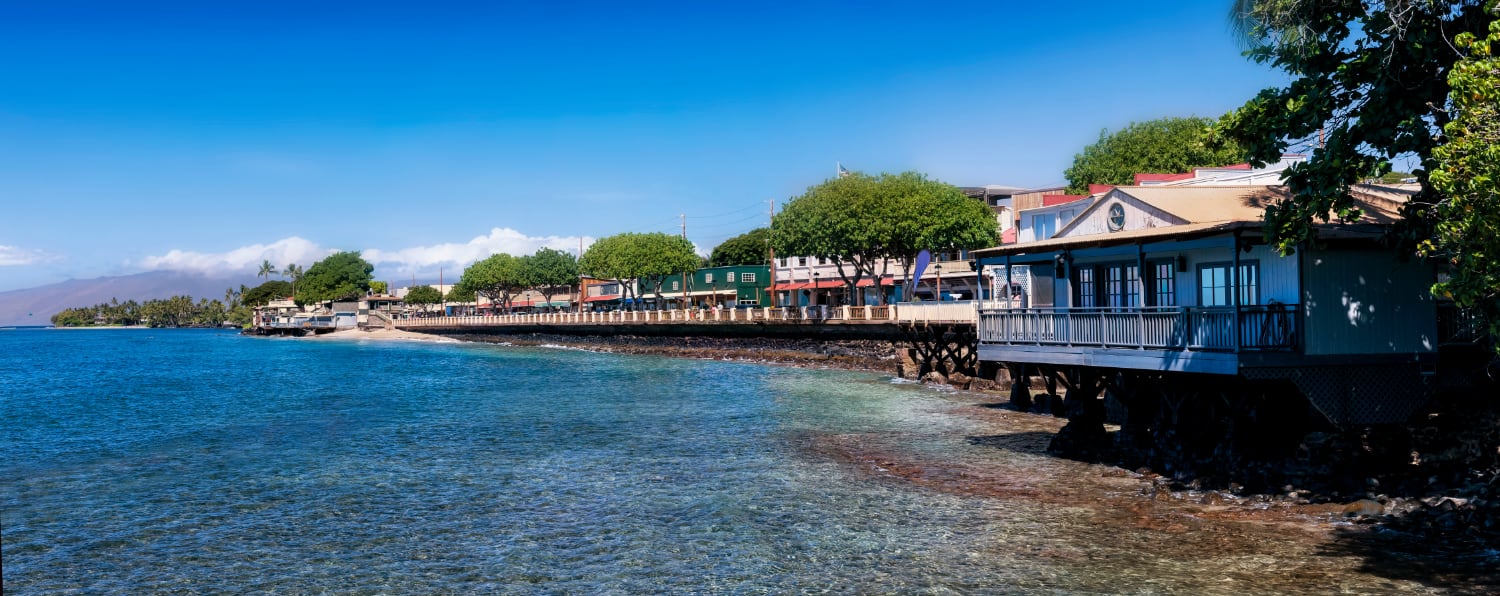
[648,258]
[550,271]
[420,295]
[1165,145]
[340,276]
[264,293]
[497,278]
[745,249]
[1467,174]
[863,222]
[1375,81]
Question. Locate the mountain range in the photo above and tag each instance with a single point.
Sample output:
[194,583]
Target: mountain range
[35,306]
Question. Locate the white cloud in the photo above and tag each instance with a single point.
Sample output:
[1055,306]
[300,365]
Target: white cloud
[246,258]
[506,240]
[417,259]
[15,256]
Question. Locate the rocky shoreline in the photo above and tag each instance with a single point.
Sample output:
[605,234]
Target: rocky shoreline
[1447,495]
[861,355]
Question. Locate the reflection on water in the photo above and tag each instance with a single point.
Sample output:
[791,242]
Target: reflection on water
[198,461]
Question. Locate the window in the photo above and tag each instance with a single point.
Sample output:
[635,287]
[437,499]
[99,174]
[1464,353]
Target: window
[1066,216]
[1122,286]
[801,261]
[708,277]
[1249,283]
[1088,288]
[1044,225]
[1164,284]
[674,286]
[1214,284]
[748,278]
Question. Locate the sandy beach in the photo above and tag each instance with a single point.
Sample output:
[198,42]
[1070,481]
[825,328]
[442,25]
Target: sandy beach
[381,334]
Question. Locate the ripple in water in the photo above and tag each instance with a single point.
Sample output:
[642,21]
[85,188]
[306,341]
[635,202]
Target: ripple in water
[201,461]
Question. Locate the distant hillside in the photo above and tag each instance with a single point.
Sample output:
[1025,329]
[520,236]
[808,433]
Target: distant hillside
[35,306]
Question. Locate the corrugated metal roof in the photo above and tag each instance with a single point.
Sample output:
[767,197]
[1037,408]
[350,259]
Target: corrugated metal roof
[1214,209]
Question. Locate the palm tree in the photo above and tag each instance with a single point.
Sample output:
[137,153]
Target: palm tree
[293,271]
[266,269]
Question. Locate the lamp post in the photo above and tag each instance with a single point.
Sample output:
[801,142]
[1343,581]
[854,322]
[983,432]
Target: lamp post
[815,289]
[938,269]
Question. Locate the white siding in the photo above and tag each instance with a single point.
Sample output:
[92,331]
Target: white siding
[1097,220]
[1278,275]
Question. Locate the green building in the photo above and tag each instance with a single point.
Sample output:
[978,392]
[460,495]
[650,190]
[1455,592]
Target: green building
[740,285]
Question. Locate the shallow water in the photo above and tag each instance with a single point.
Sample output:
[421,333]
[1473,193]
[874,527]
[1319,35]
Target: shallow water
[202,461]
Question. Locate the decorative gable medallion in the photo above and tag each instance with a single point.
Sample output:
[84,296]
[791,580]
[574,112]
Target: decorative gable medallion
[1116,217]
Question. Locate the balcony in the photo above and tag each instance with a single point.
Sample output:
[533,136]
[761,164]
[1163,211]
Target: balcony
[1270,328]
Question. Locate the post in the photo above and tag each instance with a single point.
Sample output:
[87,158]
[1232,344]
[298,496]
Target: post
[1234,297]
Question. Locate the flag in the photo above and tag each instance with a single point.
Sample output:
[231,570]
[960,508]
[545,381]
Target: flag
[843,173]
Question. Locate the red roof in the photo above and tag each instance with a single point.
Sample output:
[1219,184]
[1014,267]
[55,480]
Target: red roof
[1095,189]
[1139,178]
[1008,236]
[829,284]
[1050,200]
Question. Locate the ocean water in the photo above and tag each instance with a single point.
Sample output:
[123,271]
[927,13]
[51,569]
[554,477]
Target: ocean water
[146,461]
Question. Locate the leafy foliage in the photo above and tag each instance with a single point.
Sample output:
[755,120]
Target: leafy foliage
[860,222]
[342,275]
[1370,78]
[177,311]
[264,293]
[745,249]
[1166,145]
[551,271]
[649,258]
[1467,174]
[496,278]
[423,295]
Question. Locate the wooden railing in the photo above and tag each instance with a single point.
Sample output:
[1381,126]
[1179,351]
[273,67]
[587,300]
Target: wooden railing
[906,312]
[1266,327]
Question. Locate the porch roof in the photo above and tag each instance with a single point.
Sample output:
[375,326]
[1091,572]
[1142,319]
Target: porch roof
[1211,210]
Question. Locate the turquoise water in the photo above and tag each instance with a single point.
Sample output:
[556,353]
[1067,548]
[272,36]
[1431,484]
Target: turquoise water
[202,461]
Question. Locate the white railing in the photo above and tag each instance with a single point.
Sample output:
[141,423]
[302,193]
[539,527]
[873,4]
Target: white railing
[960,311]
[906,312]
[1269,327]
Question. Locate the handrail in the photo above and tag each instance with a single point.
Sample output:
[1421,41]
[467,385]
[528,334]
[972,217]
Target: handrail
[1270,327]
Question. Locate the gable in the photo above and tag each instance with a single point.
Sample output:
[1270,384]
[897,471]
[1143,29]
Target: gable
[1137,215]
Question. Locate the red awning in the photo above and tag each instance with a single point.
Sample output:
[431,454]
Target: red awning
[789,286]
[600,298]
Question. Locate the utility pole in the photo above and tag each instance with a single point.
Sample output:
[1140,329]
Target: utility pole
[580,274]
[684,273]
[443,296]
[771,250]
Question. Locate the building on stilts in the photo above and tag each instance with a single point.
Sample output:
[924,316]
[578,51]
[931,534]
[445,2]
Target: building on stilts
[1167,301]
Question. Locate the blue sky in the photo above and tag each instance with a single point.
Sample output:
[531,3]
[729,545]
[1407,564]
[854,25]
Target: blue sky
[207,135]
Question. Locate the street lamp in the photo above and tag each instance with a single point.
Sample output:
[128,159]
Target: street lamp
[938,268]
[815,288]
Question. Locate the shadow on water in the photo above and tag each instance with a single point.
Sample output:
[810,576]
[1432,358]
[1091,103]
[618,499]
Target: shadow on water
[1405,545]
[1032,442]
[1458,565]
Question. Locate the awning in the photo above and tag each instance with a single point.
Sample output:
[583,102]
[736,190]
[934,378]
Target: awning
[601,298]
[831,284]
